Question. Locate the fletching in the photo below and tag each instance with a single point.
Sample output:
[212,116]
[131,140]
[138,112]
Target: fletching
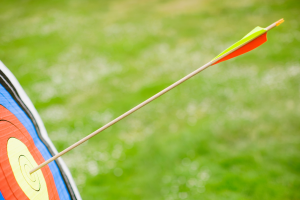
[252,40]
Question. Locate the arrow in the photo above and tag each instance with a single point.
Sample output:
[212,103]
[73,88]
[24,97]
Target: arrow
[252,40]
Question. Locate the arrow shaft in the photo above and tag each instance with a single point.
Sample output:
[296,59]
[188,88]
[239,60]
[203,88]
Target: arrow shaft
[143,104]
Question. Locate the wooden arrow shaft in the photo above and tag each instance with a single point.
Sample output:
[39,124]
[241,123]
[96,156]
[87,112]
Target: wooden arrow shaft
[142,104]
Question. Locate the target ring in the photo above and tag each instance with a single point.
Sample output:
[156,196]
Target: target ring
[25,166]
[32,179]
[21,161]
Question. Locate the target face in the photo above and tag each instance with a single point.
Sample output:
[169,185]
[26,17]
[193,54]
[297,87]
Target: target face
[24,144]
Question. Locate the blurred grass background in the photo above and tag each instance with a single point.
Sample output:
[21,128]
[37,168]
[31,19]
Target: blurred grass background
[231,132]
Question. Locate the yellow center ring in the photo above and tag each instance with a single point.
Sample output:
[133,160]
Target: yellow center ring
[21,161]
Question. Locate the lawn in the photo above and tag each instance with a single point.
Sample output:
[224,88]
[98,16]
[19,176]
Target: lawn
[231,132]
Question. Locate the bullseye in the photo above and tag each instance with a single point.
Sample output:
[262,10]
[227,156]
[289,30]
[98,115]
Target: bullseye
[31,179]
[21,161]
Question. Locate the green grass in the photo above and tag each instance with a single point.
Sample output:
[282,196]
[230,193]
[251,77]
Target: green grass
[231,132]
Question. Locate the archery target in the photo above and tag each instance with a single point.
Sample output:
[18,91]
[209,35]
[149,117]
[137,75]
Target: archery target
[23,145]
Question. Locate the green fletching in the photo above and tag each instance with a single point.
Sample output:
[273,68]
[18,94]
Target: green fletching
[252,34]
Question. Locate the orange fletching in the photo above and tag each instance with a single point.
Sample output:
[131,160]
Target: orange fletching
[246,48]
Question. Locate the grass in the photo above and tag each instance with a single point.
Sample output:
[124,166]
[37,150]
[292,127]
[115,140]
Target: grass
[231,132]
